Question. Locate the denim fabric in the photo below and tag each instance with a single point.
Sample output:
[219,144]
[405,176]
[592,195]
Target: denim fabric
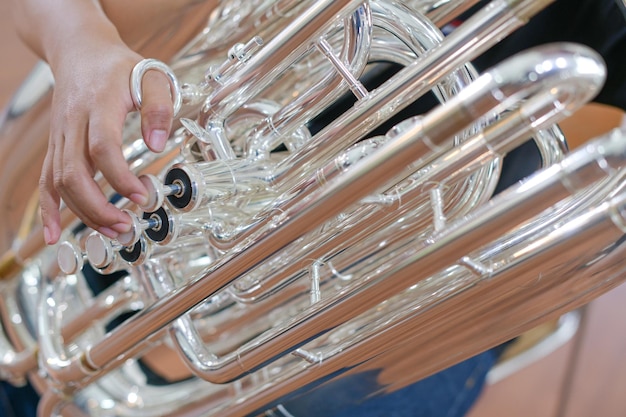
[17,401]
[449,393]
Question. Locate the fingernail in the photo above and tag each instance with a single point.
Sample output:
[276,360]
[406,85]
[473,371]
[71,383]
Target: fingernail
[158,138]
[46,235]
[112,234]
[139,199]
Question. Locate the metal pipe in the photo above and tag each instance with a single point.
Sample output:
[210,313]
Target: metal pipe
[475,36]
[327,202]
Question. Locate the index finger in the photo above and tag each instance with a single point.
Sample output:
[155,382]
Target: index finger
[83,196]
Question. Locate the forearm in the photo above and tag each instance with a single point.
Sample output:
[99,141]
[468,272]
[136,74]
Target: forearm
[154,28]
[158,28]
[92,49]
[50,27]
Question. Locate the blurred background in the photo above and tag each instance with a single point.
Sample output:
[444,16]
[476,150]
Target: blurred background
[575,367]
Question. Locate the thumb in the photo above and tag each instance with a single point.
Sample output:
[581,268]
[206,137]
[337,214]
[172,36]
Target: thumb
[157,110]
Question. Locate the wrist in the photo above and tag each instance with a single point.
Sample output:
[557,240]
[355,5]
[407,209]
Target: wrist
[81,38]
[53,28]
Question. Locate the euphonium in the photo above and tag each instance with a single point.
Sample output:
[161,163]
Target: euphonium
[299,234]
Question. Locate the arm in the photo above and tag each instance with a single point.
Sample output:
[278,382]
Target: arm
[91,49]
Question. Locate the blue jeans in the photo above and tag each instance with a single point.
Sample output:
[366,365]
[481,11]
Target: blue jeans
[449,393]
[17,401]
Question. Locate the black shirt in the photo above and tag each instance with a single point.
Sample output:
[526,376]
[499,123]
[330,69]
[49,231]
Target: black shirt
[599,24]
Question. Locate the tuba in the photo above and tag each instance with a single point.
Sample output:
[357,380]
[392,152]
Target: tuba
[326,208]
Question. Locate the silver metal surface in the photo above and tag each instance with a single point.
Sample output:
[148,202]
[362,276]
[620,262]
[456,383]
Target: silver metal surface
[274,254]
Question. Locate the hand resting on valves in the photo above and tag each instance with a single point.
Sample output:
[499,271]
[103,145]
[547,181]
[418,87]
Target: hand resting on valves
[88,47]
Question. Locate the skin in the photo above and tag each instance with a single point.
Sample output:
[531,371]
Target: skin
[91,48]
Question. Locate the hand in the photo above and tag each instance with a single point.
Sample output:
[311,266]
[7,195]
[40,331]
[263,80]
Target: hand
[90,103]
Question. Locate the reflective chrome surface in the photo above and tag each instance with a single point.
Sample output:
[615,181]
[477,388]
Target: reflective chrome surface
[289,242]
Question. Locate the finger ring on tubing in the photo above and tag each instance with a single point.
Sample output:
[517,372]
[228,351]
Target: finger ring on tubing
[139,71]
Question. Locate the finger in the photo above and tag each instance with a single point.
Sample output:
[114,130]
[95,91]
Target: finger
[74,182]
[156,111]
[49,202]
[83,197]
[105,137]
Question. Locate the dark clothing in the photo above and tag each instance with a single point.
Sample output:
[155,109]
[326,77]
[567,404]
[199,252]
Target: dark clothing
[599,24]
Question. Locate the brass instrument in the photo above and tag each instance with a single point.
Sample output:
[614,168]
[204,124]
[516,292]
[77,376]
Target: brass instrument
[287,246]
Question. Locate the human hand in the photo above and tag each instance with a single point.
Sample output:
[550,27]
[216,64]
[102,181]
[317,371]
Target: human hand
[90,103]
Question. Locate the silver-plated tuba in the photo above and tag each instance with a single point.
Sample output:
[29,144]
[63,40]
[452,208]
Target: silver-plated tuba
[301,228]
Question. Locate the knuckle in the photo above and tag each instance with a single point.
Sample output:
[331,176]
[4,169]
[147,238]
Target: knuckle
[57,179]
[43,182]
[98,145]
[65,178]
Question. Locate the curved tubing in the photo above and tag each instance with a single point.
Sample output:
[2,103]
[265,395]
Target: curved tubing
[365,225]
[17,346]
[145,323]
[505,305]
[409,30]
[502,87]
[310,102]
[468,41]
[91,359]
[518,204]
